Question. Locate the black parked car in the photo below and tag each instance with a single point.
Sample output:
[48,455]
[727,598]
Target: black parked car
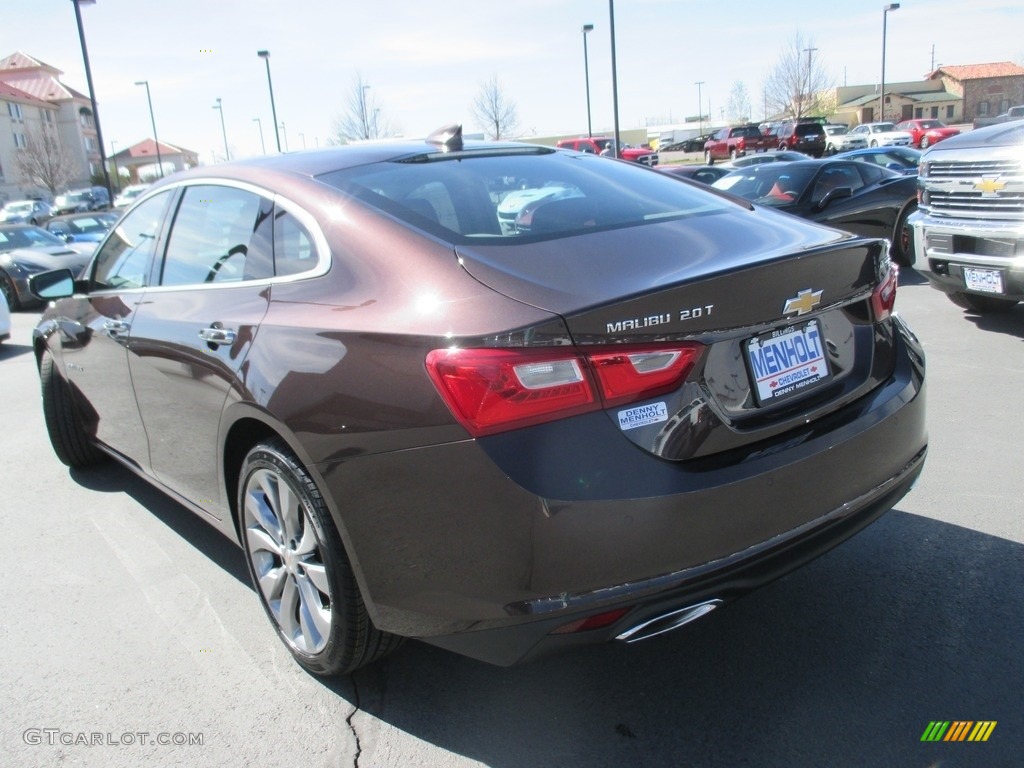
[857,197]
[639,401]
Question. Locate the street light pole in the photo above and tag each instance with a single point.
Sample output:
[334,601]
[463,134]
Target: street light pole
[92,92]
[265,55]
[220,108]
[615,76]
[881,94]
[700,109]
[259,124]
[809,52]
[586,74]
[285,132]
[152,121]
[365,117]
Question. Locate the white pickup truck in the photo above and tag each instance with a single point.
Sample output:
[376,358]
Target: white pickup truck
[1013,113]
[969,227]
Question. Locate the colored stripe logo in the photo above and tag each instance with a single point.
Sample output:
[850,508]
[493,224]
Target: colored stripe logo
[958,730]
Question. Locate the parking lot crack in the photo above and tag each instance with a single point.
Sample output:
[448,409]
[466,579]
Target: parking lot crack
[356,704]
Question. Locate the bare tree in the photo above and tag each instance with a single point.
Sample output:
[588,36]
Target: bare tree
[45,161]
[797,84]
[495,111]
[738,105]
[362,118]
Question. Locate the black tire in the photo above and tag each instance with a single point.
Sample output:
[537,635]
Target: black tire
[874,143]
[9,292]
[924,142]
[830,149]
[903,252]
[981,304]
[69,439]
[733,154]
[708,159]
[314,574]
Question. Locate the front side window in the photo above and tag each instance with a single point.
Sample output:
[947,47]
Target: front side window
[834,178]
[124,260]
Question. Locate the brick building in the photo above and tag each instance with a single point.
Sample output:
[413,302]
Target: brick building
[985,89]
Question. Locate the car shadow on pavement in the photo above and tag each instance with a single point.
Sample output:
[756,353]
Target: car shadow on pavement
[1010,323]
[111,477]
[844,662]
[9,350]
[910,276]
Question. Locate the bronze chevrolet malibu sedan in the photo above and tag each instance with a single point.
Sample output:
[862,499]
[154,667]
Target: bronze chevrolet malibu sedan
[598,420]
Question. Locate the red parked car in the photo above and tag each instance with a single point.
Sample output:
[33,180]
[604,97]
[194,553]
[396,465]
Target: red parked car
[924,133]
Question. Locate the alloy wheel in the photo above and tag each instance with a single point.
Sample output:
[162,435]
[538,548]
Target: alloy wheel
[287,561]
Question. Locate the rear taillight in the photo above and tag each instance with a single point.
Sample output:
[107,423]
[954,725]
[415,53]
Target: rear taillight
[626,374]
[495,390]
[883,298]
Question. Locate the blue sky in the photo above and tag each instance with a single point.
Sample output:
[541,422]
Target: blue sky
[425,65]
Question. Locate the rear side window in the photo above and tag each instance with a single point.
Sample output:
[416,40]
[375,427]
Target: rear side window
[220,235]
[500,198]
[294,251]
[124,260]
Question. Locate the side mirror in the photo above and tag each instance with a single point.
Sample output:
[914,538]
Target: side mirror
[834,194]
[58,284]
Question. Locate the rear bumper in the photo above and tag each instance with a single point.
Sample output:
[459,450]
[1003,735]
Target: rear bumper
[716,582]
[944,246]
[455,545]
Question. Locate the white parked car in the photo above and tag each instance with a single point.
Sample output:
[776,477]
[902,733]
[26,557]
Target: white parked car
[839,139]
[5,320]
[128,195]
[26,212]
[882,135]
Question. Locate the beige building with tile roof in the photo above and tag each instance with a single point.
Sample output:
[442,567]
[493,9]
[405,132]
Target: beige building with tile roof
[68,111]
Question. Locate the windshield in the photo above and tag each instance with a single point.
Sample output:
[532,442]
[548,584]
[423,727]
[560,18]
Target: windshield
[882,127]
[18,207]
[502,197]
[27,237]
[835,130]
[774,184]
[931,124]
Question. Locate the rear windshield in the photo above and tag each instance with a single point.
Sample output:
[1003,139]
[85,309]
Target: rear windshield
[506,196]
[750,131]
[809,129]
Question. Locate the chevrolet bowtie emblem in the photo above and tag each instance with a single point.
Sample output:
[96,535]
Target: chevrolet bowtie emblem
[990,185]
[803,302]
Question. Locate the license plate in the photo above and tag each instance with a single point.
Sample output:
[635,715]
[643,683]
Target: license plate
[787,362]
[985,280]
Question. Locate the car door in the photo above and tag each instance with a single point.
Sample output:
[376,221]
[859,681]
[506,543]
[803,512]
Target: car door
[96,327]
[191,335]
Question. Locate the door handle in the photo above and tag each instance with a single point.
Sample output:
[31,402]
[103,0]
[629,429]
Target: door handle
[116,328]
[218,336]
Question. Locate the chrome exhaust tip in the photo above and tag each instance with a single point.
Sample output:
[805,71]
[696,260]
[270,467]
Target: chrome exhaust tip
[668,621]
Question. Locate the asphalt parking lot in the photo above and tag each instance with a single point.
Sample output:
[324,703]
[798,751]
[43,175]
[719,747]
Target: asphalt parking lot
[132,637]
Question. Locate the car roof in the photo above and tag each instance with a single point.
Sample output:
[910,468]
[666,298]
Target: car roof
[318,162]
